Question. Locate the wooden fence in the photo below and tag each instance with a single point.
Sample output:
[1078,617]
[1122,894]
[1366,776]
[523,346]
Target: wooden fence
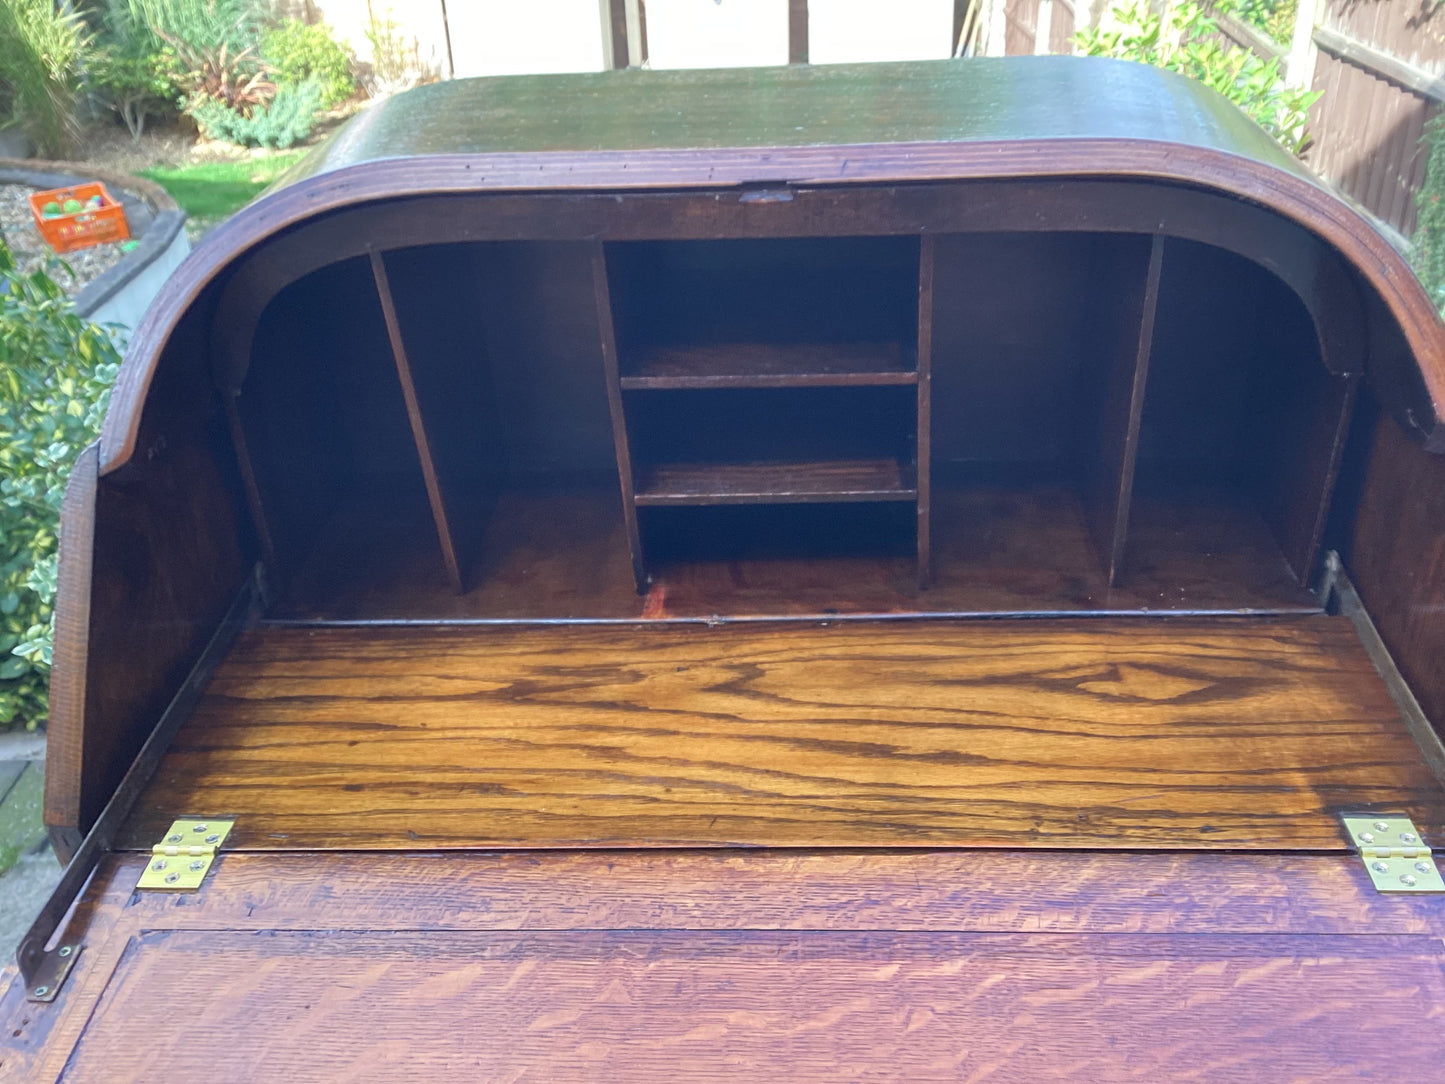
[1378,66]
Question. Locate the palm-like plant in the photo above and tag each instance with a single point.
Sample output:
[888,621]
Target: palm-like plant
[215,45]
[40,48]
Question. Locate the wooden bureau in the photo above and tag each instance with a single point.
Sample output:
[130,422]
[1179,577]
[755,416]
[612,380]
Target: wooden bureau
[873,572]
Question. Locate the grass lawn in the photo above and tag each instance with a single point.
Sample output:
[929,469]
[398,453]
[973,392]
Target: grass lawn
[210,191]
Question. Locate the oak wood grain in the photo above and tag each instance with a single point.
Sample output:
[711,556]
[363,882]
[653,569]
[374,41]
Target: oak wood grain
[1229,733]
[1183,950]
[982,891]
[804,1005]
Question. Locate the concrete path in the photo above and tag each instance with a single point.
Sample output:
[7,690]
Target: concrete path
[28,868]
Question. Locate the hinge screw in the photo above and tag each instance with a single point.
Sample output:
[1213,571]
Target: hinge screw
[198,828]
[158,866]
[1408,837]
[213,838]
[198,865]
[1407,879]
[1367,837]
[1423,867]
[172,878]
[1382,826]
[175,838]
[1380,867]
[41,991]
[64,951]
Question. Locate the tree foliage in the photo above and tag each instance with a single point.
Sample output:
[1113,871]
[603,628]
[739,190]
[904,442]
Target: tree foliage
[296,52]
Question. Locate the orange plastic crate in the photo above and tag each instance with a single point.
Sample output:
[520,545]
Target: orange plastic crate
[83,228]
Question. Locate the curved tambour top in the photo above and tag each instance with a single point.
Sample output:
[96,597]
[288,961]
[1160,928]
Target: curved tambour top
[1138,149]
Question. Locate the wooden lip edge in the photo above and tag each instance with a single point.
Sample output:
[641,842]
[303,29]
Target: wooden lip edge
[66,724]
[1295,198]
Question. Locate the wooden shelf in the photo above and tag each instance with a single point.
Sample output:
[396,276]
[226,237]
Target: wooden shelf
[768,365]
[772,482]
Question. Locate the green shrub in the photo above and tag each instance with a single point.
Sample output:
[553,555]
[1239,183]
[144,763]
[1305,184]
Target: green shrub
[135,85]
[1189,44]
[1274,17]
[55,376]
[285,120]
[131,70]
[296,52]
[40,50]
[215,45]
[1429,236]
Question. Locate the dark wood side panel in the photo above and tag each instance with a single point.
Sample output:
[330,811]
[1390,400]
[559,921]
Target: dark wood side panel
[168,563]
[1396,551]
[171,548]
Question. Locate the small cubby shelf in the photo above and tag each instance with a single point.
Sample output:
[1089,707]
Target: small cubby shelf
[836,481]
[787,358]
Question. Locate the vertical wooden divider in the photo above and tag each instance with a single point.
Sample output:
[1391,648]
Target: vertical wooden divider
[1123,408]
[418,426]
[620,444]
[924,450]
[1298,487]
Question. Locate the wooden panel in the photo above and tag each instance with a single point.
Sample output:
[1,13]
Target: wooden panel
[808,1006]
[439,294]
[1172,734]
[1000,546]
[1020,206]
[621,448]
[848,966]
[65,727]
[167,563]
[1127,310]
[923,423]
[435,497]
[1396,553]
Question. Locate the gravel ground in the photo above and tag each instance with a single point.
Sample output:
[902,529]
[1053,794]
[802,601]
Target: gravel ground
[31,251]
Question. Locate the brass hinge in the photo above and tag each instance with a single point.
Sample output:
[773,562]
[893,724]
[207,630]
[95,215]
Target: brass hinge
[180,861]
[1396,858]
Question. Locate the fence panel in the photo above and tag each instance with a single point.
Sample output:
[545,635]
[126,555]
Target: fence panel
[1061,27]
[1368,122]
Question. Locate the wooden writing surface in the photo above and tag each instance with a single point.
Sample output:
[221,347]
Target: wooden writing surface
[1182,733]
